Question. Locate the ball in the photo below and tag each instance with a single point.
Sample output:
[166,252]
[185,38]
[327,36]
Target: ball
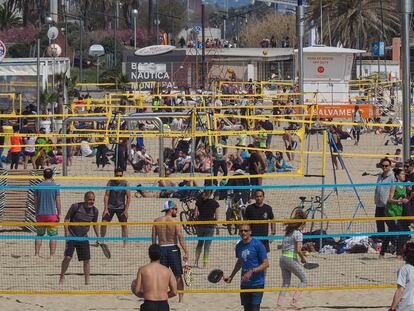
[264,52]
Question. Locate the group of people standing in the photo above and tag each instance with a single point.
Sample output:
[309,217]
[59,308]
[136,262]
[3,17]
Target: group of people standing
[394,201]
[251,253]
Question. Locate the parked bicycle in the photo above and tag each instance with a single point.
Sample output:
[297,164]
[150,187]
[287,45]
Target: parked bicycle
[188,214]
[313,210]
[234,212]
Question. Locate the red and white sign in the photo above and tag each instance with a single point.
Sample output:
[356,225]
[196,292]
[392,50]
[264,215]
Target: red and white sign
[3,50]
[321,69]
[154,50]
[328,111]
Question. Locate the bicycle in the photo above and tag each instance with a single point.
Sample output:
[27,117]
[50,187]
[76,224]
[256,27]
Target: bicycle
[314,211]
[234,212]
[188,214]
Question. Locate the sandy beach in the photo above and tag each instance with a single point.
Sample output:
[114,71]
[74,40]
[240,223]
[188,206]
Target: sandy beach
[21,271]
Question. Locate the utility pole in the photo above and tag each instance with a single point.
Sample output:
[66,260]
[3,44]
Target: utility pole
[300,30]
[81,51]
[203,46]
[321,8]
[38,85]
[406,10]
[150,21]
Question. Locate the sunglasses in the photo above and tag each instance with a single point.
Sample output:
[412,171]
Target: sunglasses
[119,175]
[385,165]
[244,230]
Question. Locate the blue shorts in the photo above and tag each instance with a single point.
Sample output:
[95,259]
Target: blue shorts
[171,258]
[251,298]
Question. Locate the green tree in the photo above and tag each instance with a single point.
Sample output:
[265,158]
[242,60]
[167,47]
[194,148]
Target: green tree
[356,23]
[9,15]
[273,24]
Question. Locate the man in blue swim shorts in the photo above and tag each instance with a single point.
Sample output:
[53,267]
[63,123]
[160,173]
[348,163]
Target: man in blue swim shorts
[168,235]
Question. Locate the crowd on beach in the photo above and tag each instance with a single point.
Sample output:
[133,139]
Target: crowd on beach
[252,156]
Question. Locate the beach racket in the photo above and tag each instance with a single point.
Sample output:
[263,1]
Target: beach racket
[311,265]
[215,276]
[105,250]
[188,275]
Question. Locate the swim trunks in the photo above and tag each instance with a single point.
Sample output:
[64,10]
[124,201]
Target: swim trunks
[171,258]
[150,305]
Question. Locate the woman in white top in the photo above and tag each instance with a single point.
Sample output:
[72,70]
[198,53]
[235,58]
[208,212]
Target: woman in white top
[30,150]
[356,129]
[404,295]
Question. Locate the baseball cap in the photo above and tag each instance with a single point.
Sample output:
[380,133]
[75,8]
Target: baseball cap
[168,205]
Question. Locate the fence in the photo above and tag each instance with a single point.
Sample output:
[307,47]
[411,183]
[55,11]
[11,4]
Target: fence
[345,212]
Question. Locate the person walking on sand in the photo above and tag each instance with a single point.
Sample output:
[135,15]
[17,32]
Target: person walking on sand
[116,202]
[403,299]
[168,235]
[155,283]
[80,212]
[252,260]
[288,262]
[47,206]
[206,209]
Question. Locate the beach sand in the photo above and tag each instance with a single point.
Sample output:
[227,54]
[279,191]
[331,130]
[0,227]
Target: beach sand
[21,271]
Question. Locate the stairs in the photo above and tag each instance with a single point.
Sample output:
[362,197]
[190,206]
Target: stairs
[17,205]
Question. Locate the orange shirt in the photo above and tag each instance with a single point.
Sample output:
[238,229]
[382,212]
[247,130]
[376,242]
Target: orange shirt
[16,140]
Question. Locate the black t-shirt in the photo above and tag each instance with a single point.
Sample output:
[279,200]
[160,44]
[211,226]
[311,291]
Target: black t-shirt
[267,125]
[117,198]
[207,209]
[254,212]
[254,158]
[78,212]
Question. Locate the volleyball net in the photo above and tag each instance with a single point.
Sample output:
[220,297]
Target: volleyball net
[340,235]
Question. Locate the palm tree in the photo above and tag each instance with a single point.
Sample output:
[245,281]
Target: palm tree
[8,15]
[356,23]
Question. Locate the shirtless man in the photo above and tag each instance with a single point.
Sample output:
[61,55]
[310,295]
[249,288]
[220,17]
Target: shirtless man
[167,238]
[155,283]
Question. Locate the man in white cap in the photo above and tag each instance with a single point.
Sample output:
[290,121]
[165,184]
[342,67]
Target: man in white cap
[168,236]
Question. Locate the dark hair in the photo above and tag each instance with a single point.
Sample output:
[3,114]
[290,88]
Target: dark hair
[259,190]
[408,253]
[292,226]
[383,160]
[154,252]
[48,173]
[248,225]
[397,171]
[119,170]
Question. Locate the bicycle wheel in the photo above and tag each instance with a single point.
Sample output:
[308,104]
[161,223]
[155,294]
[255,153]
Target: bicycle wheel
[186,216]
[295,210]
[316,213]
[234,215]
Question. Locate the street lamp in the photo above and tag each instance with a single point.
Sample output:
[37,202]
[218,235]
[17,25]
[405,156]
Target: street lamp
[49,20]
[135,15]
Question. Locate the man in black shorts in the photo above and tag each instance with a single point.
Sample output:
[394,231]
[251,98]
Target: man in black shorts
[116,202]
[155,283]
[80,212]
[167,239]
[260,211]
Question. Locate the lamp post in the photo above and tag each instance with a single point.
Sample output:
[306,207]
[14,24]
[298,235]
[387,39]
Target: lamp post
[135,15]
[203,46]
